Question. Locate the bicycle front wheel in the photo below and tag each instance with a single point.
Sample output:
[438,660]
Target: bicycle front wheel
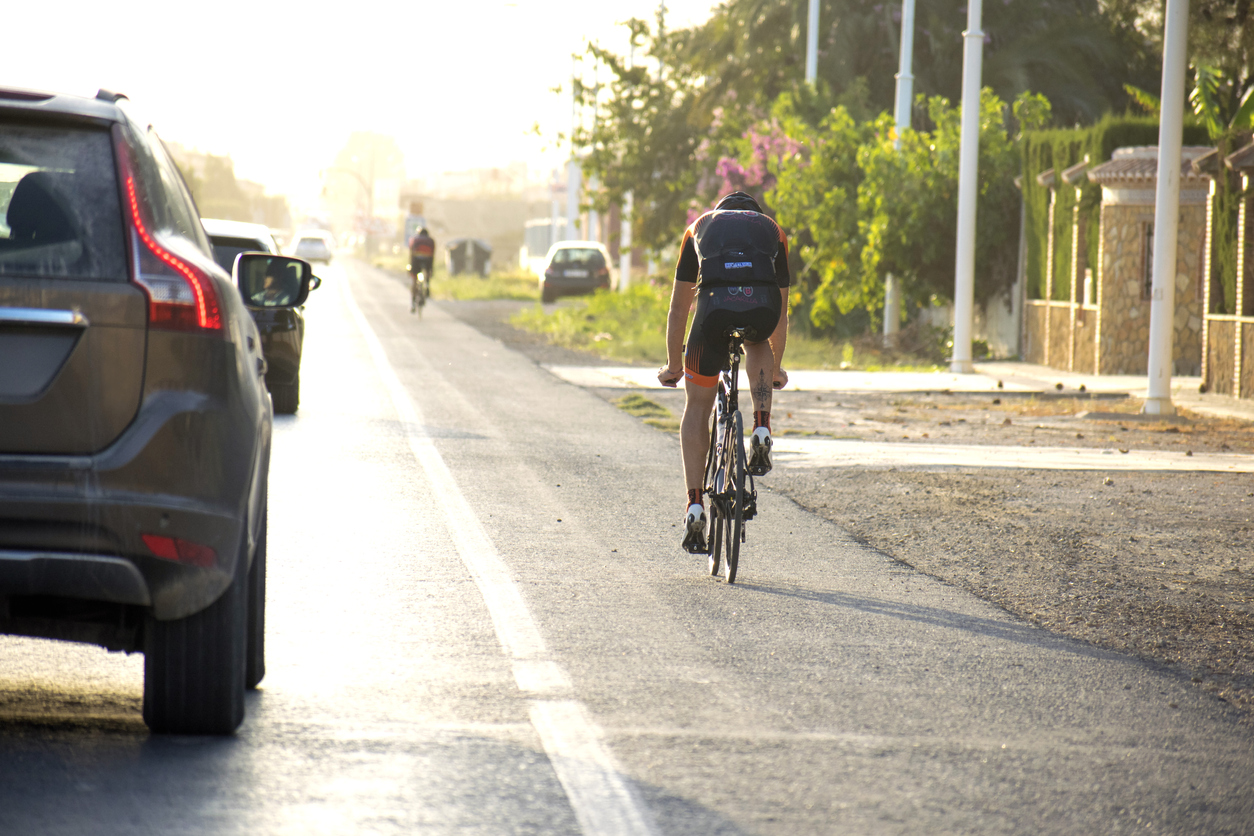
[735,522]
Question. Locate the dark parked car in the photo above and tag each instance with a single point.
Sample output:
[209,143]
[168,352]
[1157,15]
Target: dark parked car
[574,267]
[134,423]
[282,328]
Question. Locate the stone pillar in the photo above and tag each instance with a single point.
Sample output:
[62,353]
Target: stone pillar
[1238,348]
[1207,244]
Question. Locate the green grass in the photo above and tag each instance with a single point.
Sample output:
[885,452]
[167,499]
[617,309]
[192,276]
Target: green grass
[631,327]
[651,412]
[513,285]
[628,326]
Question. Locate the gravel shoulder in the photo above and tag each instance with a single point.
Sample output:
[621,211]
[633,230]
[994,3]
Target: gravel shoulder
[1153,564]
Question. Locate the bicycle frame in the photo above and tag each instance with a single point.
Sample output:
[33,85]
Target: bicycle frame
[732,502]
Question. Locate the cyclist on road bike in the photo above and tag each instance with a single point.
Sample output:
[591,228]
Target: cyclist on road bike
[733,261]
[422,255]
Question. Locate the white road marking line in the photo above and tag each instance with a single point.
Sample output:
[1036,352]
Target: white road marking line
[599,795]
[540,677]
[601,799]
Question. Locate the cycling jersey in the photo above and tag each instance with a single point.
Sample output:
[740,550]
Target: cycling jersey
[739,262]
[732,247]
[422,246]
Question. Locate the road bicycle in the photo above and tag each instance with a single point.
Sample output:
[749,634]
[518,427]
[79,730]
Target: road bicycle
[728,483]
[419,289]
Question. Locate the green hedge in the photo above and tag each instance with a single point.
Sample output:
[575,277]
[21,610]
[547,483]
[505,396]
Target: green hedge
[1060,149]
[1224,230]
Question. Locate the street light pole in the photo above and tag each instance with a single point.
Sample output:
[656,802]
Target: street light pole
[1167,211]
[812,44]
[905,95]
[968,171]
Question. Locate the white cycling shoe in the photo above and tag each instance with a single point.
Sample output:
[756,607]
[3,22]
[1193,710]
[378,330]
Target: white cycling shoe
[759,452]
[694,529]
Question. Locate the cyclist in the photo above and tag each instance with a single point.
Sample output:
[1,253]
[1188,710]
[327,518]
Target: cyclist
[733,261]
[422,256]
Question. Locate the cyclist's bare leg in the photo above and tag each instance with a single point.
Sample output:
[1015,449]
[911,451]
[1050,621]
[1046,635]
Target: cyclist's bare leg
[760,364]
[694,431]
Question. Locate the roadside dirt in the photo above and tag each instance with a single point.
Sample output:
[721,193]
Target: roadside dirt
[1154,564]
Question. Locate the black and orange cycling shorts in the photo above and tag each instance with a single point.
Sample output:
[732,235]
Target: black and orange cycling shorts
[756,308]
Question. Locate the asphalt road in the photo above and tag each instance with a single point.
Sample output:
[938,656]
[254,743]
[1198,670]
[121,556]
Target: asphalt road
[480,621]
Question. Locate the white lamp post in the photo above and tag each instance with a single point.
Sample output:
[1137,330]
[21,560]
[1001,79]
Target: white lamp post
[968,171]
[1167,211]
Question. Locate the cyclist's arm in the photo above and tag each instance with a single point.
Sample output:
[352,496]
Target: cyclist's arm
[682,295]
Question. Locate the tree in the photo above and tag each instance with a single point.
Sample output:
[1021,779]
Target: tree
[1221,39]
[349,183]
[672,115]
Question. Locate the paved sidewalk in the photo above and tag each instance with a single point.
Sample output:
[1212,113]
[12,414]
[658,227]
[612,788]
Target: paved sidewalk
[1005,376]
[792,451]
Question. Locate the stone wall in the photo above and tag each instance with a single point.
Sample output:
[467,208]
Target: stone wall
[1247,359]
[1034,331]
[1085,344]
[1219,364]
[1059,334]
[1125,312]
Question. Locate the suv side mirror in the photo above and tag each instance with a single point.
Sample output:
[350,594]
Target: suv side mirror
[272,281]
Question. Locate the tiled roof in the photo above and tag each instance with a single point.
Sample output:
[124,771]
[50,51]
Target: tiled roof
[1241,159]
[1140,165]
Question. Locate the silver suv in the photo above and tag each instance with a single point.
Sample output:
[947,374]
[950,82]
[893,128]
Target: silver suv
[135,426]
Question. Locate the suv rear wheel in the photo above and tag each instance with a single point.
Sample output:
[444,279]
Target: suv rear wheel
[286,396]
[194,666]
[255,659]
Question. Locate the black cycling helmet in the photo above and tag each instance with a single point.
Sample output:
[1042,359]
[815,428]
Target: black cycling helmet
[739,201]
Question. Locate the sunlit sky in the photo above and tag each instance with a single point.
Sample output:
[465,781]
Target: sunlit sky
[280,86]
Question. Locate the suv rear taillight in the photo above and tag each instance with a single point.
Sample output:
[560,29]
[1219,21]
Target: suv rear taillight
[180,296]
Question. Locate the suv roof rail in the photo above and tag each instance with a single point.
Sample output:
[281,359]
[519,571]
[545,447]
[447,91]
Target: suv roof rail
[23,95]
[110,96]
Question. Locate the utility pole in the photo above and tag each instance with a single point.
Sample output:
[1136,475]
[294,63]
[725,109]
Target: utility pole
[624,245]
[968,172]
[1167,211]
[624,228]
[905,97]
[812,43]
[574,175]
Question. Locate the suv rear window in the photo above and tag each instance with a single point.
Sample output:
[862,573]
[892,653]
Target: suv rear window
[583,257]
[60,215]
[225,249]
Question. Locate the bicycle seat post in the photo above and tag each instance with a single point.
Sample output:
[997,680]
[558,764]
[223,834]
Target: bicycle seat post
[735,348]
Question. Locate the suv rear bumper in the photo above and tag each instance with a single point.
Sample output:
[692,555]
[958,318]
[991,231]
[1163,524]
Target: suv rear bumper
[91,577]
[74,526]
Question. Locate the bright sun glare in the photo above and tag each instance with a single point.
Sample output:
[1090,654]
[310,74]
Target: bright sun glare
[281,87]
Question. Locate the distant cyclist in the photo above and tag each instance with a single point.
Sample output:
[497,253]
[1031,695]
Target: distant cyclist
[422,255]
[734,261]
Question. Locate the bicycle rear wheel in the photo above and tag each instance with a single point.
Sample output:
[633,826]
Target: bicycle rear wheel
[735,522]
[714,535]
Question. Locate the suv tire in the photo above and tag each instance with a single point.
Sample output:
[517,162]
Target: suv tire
[255,654]
[286,397]
[194,666]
